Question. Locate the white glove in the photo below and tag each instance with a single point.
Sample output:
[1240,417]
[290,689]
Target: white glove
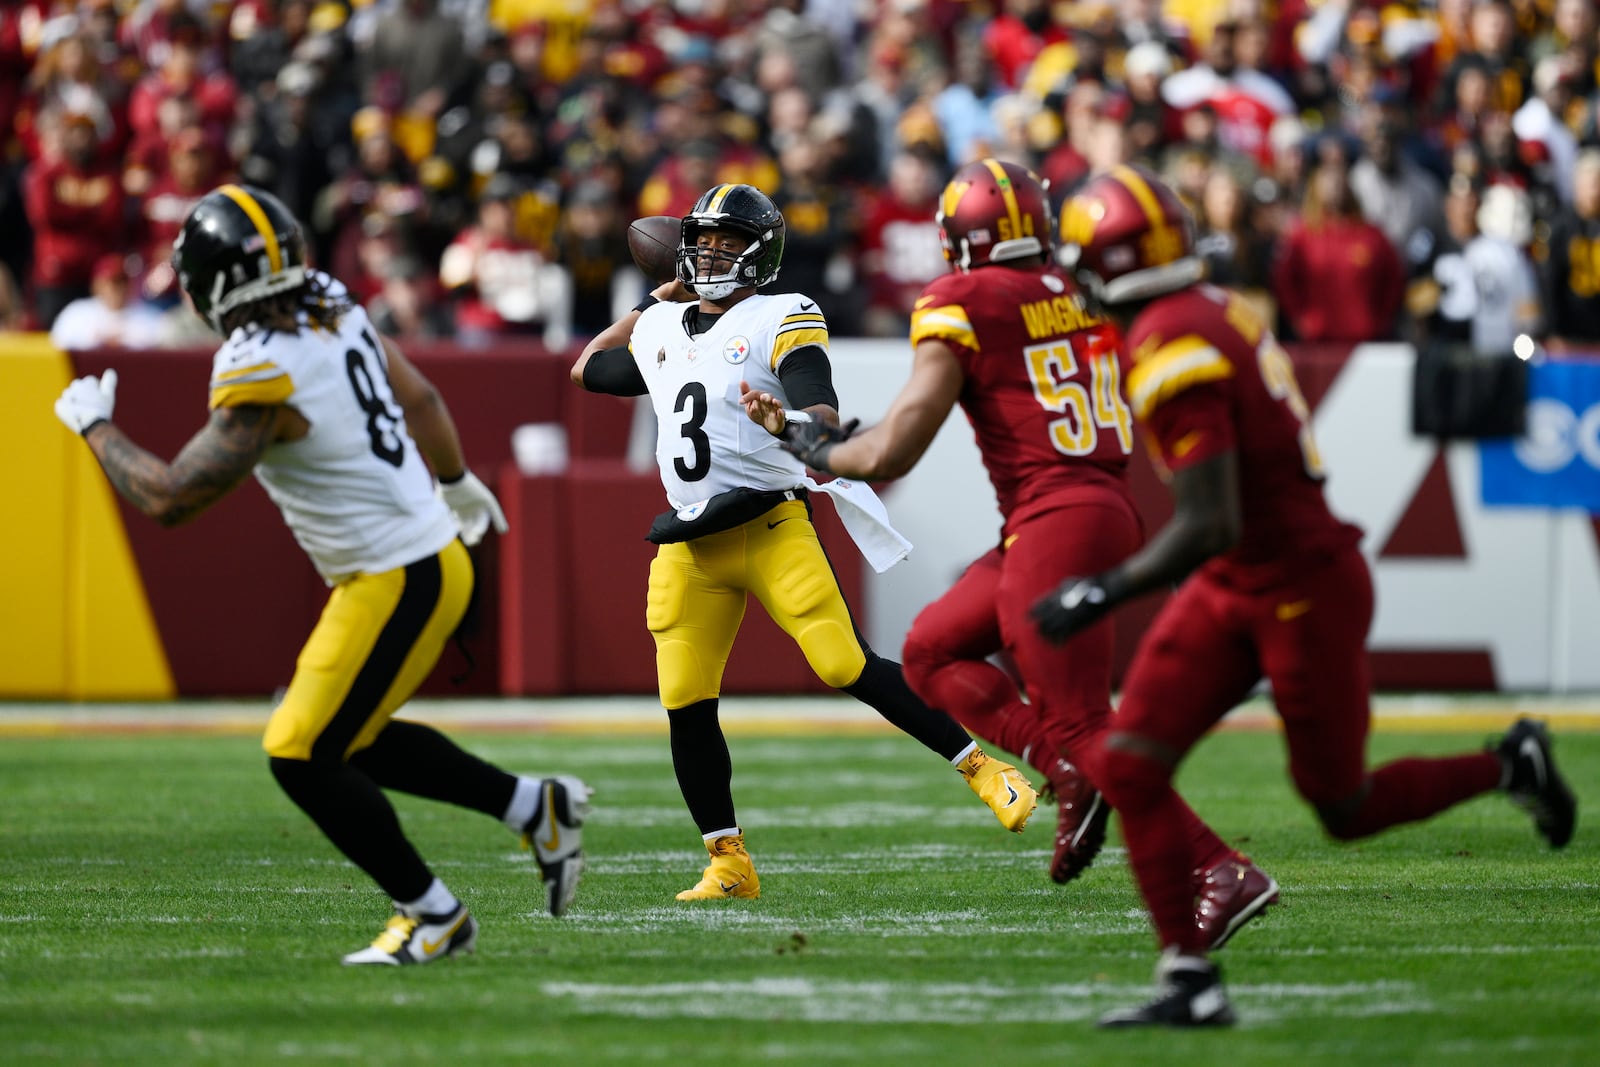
[87,400]
[473,506]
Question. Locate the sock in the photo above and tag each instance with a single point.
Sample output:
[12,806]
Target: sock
[701,761]
[526,797]
[1409,790]
[961,757]
[438,900]
[983,699]
[1158,841]
[730,831]
[419,760]
[350,809]
[883,688]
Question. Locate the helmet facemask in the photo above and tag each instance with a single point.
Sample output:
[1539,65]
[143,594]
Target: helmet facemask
[745,270]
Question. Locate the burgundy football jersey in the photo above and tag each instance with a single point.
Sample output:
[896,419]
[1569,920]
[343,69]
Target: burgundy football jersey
[1208,377]
[1043,386]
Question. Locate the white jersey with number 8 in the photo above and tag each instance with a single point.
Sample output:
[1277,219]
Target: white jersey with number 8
[354,491]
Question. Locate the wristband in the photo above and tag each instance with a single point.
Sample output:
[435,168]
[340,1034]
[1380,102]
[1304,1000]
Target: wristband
[790,415]
[453,481]
[646,303]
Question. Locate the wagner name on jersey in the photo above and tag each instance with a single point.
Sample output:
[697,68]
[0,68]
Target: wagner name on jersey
[705,444]
[354,490]
[1043,381]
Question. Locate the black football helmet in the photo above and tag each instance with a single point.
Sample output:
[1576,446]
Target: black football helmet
[743,209]
[238,245]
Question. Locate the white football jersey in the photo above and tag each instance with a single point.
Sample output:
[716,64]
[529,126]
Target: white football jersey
[354,491]
[705,444]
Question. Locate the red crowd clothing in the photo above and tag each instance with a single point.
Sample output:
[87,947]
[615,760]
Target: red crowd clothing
[1341,281]
[1292,600]
[77,217]
[900,252]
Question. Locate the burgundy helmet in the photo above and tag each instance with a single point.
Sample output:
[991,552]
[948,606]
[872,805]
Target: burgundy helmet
[991,212]
[1126,236]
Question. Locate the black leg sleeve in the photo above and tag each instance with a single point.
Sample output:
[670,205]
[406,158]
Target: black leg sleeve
[704,768]
[352,811]
[883,688]
[420,760]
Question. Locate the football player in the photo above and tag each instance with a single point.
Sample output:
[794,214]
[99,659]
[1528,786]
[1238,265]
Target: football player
[1273,584]
[740,518]
[1039,375]
[341,431]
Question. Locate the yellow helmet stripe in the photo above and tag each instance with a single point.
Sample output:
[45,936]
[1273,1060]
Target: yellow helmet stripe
[1142,192]
[718,197]
[1008,193]
[252,209]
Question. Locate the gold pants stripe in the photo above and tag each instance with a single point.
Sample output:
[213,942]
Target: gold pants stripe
[377,640]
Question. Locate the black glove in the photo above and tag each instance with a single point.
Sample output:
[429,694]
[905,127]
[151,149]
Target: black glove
[1075,604]
[811,442]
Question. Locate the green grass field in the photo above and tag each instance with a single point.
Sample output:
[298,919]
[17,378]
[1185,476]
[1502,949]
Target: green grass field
[161,902]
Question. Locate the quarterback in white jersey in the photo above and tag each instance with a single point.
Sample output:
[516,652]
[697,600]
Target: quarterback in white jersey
[740,521]
[342,430]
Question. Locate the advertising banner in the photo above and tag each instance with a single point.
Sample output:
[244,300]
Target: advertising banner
[1556,464]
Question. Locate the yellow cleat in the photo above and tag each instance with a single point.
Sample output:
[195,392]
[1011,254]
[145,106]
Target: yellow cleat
[1001,786]
[730,873]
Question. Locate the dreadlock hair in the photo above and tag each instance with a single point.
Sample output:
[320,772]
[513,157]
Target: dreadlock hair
[318,300]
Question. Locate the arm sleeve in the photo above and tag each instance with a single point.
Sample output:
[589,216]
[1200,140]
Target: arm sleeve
[807,378]
[613,371]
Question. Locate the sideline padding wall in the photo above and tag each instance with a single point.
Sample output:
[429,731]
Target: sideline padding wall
[75,622]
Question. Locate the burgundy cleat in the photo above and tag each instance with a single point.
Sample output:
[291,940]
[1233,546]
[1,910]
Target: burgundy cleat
[1230,894]
[1080,822]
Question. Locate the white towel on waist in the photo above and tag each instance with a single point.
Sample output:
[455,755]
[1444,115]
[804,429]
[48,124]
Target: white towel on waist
[866,520]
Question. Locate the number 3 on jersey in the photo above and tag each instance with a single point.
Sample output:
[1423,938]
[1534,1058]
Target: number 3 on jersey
[691,404]
[1057,382]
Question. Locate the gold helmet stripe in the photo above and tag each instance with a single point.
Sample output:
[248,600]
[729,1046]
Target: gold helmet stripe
[249,205]
[1135,184]
[1008,192]
[718,197]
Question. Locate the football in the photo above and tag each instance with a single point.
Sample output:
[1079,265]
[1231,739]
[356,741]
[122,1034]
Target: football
[653,242]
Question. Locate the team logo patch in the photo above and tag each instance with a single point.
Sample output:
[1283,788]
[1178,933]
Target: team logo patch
[737,350]
[692,511]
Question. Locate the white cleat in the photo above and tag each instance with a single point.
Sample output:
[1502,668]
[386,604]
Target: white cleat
[419,939]
[555,833]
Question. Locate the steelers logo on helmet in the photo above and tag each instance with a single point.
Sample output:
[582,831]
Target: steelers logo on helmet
[738,209]
[991,212]
[1127,237]
[238,245]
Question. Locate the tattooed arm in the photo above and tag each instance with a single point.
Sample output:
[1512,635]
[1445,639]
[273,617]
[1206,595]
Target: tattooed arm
[214,461]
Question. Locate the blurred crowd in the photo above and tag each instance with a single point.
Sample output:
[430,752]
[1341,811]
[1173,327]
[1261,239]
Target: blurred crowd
[1417,169]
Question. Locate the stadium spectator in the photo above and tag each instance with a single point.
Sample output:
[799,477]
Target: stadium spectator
[900,250]
[1273,585]
[183,73]
[411,304]
[1397,195]
[502,285]
[1337,277]
[190,173]
[739,524]
[821,226]
[593,250]
[379,189]
[1571,262]
[360,497]
[74,202]
[1543,120]
[1246,102]
[418,50]
[1488,292]
[111,316]
[1235,254]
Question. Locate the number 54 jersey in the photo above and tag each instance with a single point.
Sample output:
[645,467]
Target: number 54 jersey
[705,444]
[354,491]
[1043,384]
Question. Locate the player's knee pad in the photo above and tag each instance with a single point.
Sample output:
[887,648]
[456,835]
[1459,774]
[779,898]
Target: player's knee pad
[1128,779]
[801,581]
[665,597]
[833,652]
[289,735]
[681,675]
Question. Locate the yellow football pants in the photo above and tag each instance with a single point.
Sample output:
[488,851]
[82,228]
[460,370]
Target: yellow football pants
[377,639]
[698,591]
